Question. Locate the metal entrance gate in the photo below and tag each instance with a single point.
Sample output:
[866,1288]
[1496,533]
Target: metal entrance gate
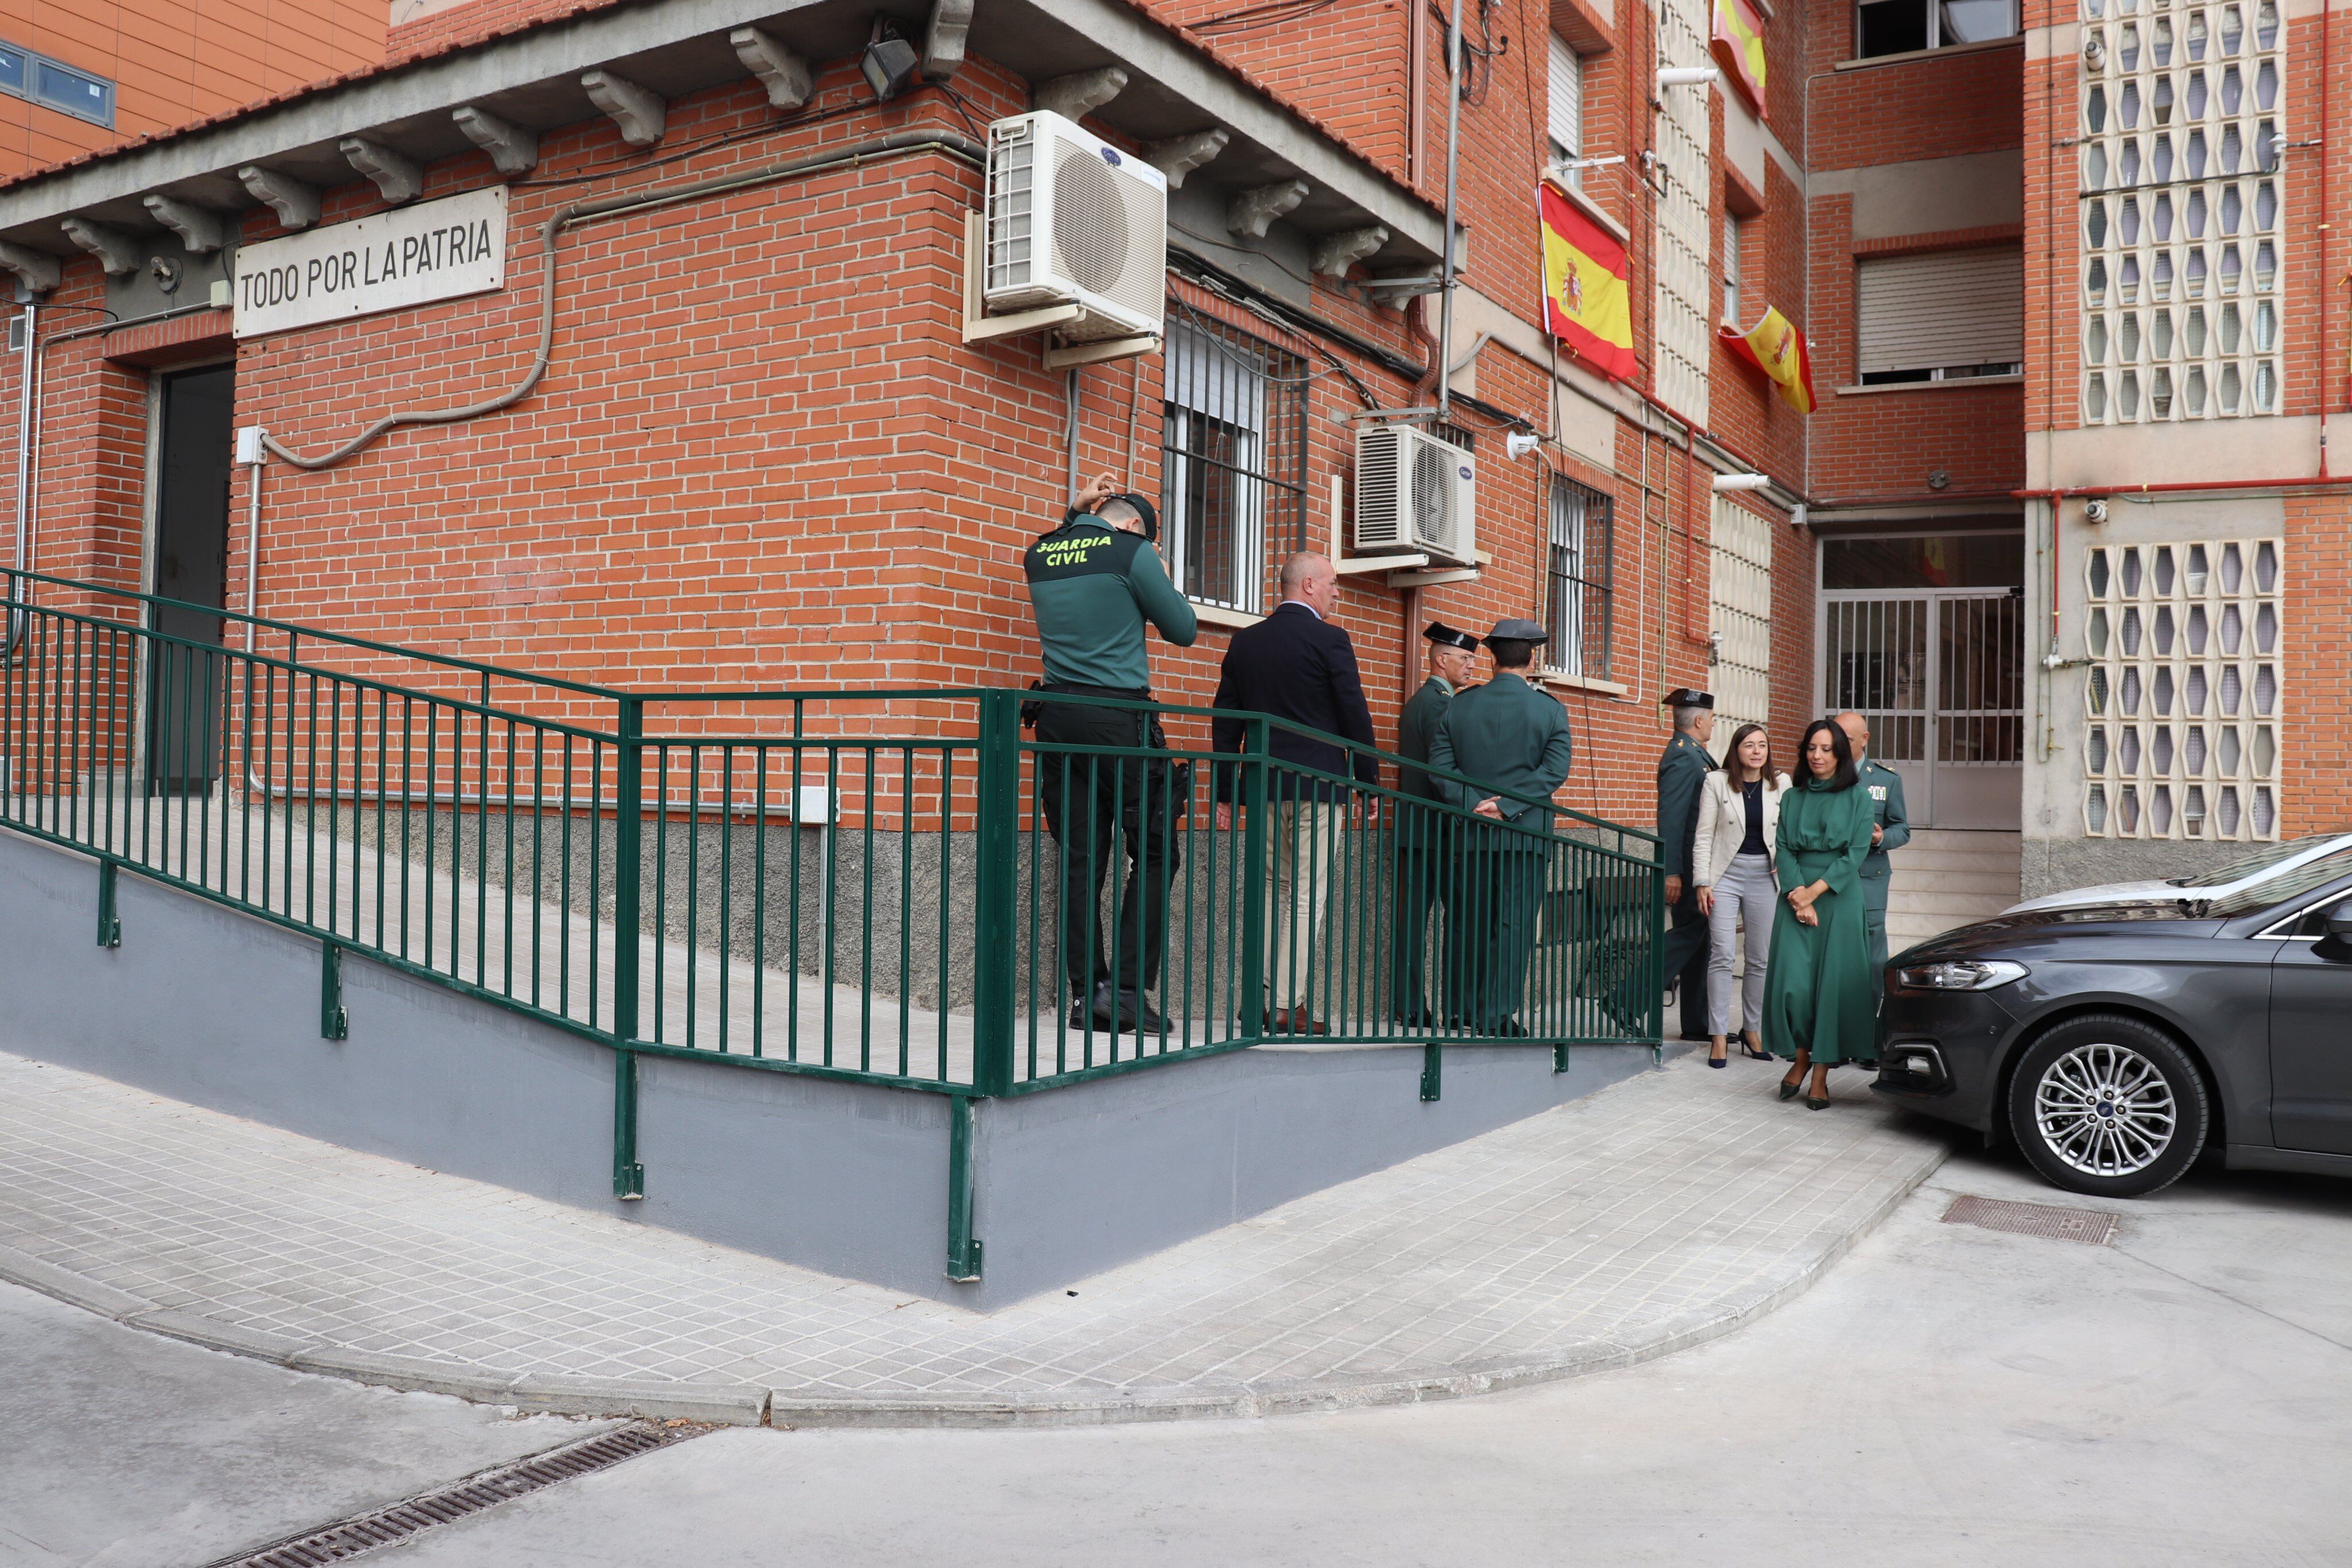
[1940,675]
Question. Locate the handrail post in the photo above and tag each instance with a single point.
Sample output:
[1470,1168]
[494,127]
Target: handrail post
[1656,965]
[1254,880]
[997,806]
[628,872]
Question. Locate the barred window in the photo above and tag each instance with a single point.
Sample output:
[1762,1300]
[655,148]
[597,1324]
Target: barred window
[1579,586]
[1233,461]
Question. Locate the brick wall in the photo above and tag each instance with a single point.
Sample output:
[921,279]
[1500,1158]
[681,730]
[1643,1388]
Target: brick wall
[174,61]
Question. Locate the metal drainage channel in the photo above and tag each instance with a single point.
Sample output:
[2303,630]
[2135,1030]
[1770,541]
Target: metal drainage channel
[2091,1227]
[338,1542]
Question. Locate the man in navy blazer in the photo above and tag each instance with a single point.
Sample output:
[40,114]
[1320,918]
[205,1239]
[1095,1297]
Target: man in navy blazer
[1296,664]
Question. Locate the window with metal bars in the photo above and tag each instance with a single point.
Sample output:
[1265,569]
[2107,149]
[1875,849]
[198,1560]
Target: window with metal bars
[1578,597]
[1233,461]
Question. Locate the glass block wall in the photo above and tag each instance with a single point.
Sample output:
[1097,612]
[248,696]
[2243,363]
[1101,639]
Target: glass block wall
[2183,131]
[2183,694]
[1684,329]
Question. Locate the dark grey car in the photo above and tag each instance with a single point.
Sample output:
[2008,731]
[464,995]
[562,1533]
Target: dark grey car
[2114,1042]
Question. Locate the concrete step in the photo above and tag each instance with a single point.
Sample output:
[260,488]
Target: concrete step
[1967,838]
[1956,909]
[1988,882]
[1911,859]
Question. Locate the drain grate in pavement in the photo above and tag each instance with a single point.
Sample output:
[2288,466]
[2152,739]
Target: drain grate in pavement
[2091,1227]
[338,1542]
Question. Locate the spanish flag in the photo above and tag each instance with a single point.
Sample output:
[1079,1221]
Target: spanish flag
[1777,348]
[1738,45]
[1586,304]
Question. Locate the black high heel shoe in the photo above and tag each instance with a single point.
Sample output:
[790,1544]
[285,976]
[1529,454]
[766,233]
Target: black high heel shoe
[1748,1049]
[1715,1061]
[1789,1091]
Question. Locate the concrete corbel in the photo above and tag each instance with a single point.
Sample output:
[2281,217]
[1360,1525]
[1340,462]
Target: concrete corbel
[783,73]
[1336,252]
[1254,212]
[200,231]
[640,112]
[38,270]
[943,39]
[116,251]
[512,150]
[1180,155]
[1079,94]
[295,204]
[397,175]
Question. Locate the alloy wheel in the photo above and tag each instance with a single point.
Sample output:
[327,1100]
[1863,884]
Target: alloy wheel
[2104,1110]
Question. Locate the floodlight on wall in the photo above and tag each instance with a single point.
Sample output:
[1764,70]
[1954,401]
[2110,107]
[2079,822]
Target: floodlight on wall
[1519,442]
[1689,76]
[889,62]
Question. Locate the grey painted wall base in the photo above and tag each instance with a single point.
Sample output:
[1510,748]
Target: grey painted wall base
[2047,865]
[208,1005]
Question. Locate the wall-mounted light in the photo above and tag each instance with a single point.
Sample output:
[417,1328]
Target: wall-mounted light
[1726,483]
[1689,76]
[1519,442]
[889,62]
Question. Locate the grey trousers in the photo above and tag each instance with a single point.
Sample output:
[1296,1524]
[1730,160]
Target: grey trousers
[1747,889]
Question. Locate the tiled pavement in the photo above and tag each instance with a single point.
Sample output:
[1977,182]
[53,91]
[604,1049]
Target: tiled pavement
[1657,1213]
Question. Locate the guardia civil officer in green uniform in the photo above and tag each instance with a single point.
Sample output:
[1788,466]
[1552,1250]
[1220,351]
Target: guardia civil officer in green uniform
[1683,767]
[1422,860]
[1095,583]
[1509,737]
[1890,831]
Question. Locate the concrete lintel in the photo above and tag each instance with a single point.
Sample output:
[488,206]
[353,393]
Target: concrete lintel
[1079,94]
[1253,212]
[512,150]
[784,74]
[116,251]
[945,36]
[295,203]
[641,113]
[200,229]
[1334,253]
[397,175]
[1180,155]
[37,269]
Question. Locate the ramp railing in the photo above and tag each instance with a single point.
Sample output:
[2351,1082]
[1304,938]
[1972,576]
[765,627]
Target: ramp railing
[897,886]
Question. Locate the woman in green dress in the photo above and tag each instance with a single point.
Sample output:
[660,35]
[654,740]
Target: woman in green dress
[1821,1001]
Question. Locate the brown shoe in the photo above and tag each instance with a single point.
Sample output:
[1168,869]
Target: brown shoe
[1295,1020]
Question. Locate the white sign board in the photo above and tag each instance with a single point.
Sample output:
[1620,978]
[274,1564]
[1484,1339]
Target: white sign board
[386,261]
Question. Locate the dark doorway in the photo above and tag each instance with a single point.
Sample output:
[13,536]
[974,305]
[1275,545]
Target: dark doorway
[195,411]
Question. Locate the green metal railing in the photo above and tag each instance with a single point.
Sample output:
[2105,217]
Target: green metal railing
[897,888]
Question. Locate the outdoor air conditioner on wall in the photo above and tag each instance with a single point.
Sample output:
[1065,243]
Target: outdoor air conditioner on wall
[1415,492]
[1071,220]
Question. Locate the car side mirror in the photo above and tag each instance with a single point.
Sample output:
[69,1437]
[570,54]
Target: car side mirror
[2339,922]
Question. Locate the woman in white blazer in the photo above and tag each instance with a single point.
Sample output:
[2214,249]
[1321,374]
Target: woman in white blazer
[1731,865]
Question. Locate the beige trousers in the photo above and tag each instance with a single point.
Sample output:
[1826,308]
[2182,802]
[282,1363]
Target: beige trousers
[1304,839]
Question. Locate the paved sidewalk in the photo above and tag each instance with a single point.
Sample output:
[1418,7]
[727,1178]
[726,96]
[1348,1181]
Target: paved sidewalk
[1656,1214]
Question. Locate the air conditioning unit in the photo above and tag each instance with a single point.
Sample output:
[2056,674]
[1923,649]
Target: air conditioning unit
[1072,220]
[1415,492]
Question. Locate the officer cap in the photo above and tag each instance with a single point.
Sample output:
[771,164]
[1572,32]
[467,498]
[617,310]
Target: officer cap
[1684,697]
[1517,630]
[1438,632]
[1144,509]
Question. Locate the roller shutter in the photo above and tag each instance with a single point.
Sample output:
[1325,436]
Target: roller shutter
[1565,110]
[1941,311]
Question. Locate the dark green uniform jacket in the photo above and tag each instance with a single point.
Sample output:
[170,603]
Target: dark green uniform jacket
[1417,729]
[1509,737]
[1093,586]
[1885,787]
[1683,767]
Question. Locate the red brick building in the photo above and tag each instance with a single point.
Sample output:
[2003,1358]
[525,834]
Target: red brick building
[80,75]
[765,447]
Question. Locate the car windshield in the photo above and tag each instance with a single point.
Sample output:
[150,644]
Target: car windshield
[2244,866]
[2288,886]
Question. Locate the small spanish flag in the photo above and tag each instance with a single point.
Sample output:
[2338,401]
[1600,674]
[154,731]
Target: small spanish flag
[1586,304]
[1775,347]
[1738,45]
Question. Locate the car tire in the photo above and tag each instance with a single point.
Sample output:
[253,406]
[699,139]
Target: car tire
[2108,1106]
